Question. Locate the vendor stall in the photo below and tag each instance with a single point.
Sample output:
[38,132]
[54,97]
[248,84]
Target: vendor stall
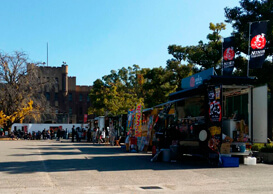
[217,115]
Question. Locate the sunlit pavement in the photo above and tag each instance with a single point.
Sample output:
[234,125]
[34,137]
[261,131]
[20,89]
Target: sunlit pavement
[65,167]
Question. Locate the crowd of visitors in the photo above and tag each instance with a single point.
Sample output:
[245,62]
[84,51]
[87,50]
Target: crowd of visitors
[94,135]
[78,134]
[40,135]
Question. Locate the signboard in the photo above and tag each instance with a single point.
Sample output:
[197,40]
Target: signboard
[215,117]
[196,79]
[138,120]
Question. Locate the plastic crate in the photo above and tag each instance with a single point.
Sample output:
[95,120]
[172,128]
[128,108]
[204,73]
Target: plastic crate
[230,162]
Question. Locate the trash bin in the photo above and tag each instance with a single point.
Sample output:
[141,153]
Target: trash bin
[166,155]
[174,151]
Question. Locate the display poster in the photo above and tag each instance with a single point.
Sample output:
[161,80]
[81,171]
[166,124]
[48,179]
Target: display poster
[138,120]
[144,125]
[215,117]
[148,124]
[150,128]
[111,127]
[130,119]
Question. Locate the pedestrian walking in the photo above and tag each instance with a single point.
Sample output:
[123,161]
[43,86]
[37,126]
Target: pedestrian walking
[73,133]
[44,134]
[89,135]
[77,134]
[58,134]
[103,135]
[112,136]
[51,133]
[93,135]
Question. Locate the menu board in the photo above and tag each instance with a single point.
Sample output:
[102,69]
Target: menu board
[215,116]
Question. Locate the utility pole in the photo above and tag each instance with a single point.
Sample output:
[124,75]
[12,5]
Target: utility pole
[47,53]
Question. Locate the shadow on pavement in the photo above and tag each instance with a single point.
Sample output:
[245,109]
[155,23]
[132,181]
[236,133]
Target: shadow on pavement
[74,151]
[94,159]
[109,163]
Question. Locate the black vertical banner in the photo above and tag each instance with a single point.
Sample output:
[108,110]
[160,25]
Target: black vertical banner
[257,44]
[215,117]
[228,55]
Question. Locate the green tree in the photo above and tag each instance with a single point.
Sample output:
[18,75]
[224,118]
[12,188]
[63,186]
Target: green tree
[204,55]
[157,86]
[120,90]
[209,54]
[115,93]
[240,17]
[175,66]
[250,11]
[97,96]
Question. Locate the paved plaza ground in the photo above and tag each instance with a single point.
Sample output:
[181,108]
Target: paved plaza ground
[65,167]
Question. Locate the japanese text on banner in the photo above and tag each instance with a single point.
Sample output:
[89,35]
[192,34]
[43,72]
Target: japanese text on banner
[138,120]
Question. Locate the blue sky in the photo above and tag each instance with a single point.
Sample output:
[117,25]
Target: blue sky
[96,36]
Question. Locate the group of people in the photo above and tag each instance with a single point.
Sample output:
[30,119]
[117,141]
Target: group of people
[79,133]
[45,134]
[94,135]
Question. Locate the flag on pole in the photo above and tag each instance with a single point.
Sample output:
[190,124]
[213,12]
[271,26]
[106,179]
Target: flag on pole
[257,44]
[228,56]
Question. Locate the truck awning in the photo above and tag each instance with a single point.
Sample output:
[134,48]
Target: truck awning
[231,80]
[169,102]
[214,80]
[186,93]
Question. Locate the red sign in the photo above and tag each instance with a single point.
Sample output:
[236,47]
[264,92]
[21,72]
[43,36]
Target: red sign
[85,118]
[192,82]
[215,111]
[229,54]
[25,129]
[258,42]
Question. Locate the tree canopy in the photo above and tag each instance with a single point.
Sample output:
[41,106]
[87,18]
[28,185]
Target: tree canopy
[115,93]
[20,89]
[240,18]
[152,86]
[120,90]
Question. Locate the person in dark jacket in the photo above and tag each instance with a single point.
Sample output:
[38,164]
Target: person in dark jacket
[58,134]
[73,133]
[89,135]
[51,133]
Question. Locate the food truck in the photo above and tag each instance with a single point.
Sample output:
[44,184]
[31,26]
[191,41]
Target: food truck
[215,115]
